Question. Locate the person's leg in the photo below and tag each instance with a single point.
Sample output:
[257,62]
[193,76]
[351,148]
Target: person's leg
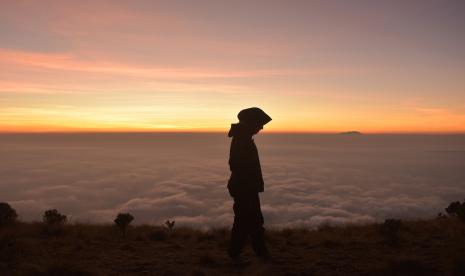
[239,230]
[257,230]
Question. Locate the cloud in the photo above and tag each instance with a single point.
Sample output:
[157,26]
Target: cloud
[92,177]
[70,62]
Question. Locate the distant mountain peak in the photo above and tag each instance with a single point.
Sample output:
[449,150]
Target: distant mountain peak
[352,132]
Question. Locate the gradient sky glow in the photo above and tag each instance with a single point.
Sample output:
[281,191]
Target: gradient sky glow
[314,66]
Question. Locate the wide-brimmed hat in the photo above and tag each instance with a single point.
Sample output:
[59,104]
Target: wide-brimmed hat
[254,116]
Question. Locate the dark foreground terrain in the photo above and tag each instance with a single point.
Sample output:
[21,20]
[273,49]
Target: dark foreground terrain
[433,247]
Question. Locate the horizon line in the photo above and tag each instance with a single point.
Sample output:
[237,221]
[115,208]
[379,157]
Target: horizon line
[225,131]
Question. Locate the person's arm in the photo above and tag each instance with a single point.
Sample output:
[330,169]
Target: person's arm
[241,159]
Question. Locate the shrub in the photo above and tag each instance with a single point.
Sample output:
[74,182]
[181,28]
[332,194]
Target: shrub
[441,216]
[53,217]
[122,221]
[170,224]
[456,209]
[7,214]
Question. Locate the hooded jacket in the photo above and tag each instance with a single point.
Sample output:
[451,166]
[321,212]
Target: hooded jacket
[244,163]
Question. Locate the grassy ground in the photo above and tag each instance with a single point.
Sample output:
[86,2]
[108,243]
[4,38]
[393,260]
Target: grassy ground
[433,247]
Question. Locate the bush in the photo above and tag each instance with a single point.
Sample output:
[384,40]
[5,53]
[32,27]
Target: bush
[441,216]
[170,224]
[7,214]
[53,217]
[456,209]
[122,221]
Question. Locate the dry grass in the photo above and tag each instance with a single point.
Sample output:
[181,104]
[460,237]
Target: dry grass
[432,247]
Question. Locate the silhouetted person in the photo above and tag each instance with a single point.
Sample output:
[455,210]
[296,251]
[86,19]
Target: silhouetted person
[245,183]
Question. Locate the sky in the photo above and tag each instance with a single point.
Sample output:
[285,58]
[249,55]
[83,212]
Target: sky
[314,66]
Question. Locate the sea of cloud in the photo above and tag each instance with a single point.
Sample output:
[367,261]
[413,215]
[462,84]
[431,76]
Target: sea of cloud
[310,180]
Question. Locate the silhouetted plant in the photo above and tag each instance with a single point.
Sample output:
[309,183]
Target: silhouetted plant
[170,224]
[122,221]
[7,214]
[456,209]
[53,217]
[441,216]
[390,230]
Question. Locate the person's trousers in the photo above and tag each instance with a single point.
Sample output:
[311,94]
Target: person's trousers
[248,221]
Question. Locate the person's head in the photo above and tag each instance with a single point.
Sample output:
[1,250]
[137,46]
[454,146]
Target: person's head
[254,118]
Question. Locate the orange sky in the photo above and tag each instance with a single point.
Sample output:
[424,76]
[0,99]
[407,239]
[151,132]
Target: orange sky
[314,66]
